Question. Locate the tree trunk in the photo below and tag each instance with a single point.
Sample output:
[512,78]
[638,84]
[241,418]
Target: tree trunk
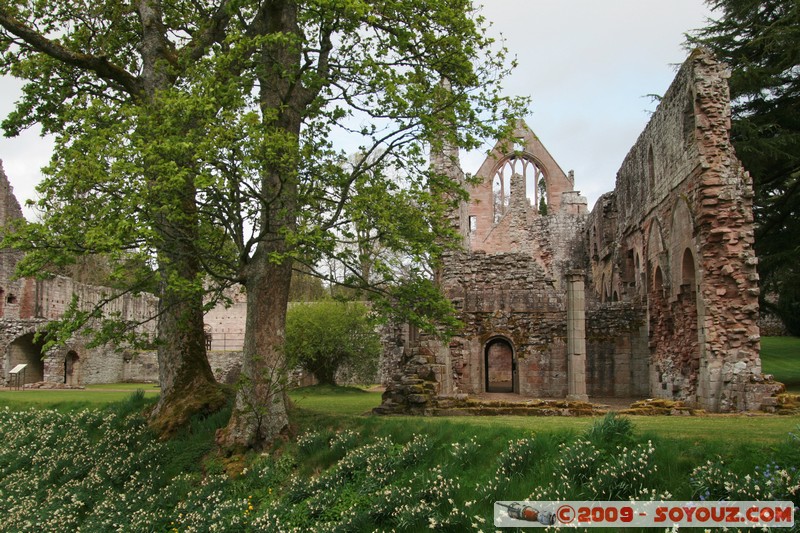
[187,383]
[184,374]
[259,414]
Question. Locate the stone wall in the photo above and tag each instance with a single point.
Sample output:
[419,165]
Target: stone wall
[508,288]
[42,301]
[676,236]
[616,342]
[507,296]
[27,305]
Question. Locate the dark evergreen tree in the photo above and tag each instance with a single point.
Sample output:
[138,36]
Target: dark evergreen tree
[760,40]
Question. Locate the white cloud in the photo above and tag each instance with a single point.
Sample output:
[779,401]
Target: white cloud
[586,63]
[22,156]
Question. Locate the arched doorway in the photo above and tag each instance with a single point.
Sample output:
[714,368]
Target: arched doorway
[24,350]
[500,366]
[71,365]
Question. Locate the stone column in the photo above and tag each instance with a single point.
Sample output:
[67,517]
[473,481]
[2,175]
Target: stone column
[576,337]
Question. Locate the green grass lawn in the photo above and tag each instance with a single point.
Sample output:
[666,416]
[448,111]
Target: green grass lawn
[66,399]
[337,402]
[323,404]
[780,356]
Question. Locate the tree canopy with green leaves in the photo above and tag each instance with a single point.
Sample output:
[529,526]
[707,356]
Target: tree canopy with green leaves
[119,186]
[760,40]
[212,136]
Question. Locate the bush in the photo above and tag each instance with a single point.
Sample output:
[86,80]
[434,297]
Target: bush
[325,336]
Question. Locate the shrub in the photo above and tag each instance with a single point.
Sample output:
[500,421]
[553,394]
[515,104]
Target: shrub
[325,336]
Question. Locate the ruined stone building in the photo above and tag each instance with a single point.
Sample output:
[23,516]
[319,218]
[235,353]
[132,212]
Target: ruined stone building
[27,305]
[652,294]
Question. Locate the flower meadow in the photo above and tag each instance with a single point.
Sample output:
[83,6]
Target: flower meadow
[98,470]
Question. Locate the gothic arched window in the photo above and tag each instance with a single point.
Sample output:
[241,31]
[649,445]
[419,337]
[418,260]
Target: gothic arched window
[533,182]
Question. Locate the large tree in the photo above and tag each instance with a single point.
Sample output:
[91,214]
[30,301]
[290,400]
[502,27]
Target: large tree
[258,126]
[760,40]
[314,81]
[100,76]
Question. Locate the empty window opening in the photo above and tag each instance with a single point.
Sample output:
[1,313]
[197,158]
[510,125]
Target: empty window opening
[533,178]
[542,189]
[501,196]
[500,366]
[688,270]
[473,224]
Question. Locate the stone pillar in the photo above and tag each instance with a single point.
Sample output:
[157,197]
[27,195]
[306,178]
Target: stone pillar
[576,337]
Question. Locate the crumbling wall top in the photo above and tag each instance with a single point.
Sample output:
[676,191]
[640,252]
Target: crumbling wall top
[9,206]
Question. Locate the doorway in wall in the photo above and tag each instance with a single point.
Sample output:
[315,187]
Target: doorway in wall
[500,366]
[71,362]
[25,350]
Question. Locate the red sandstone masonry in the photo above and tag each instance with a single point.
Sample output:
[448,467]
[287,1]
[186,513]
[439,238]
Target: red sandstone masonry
[686,219]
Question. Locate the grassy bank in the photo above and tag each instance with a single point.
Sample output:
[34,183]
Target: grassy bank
[85,461]
[343,402]
[101,470]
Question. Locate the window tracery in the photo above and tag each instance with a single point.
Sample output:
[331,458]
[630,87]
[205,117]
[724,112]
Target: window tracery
[533,178]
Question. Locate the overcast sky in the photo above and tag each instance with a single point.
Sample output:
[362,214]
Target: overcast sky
[587,65]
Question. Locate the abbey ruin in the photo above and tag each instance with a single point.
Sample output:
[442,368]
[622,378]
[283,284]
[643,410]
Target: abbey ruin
[654,293]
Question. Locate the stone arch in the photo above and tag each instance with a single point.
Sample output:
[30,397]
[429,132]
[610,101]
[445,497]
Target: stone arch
[681,241]
[72,368]
[655,249]
[26,350]
[500,365]
[655,239]
[658,279]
